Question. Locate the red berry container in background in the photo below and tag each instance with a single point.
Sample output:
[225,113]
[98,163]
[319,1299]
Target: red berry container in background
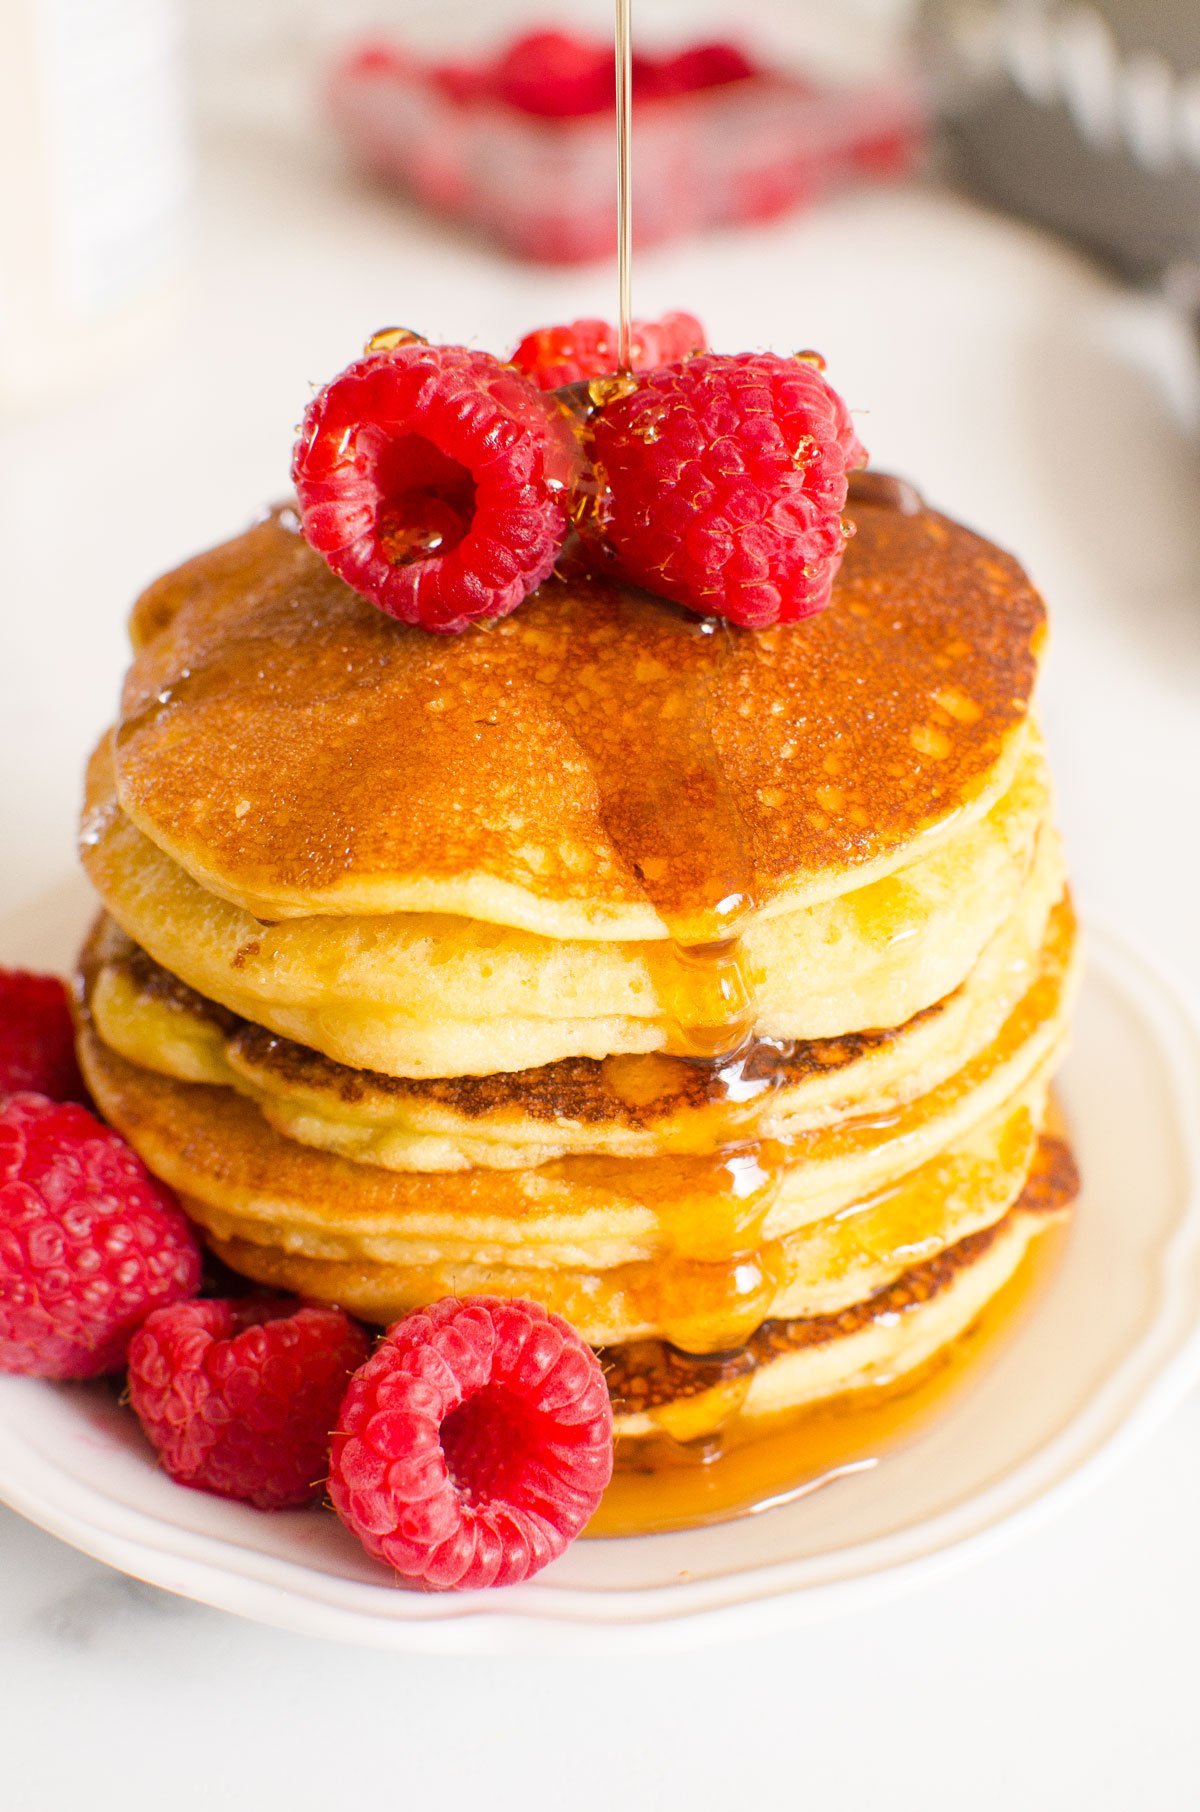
[711,145]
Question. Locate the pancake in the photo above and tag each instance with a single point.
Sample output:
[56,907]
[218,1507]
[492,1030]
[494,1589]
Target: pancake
[426,995]
[873,1346]
[298,753]
[621,1107]
[378,1264]
[210,1142]
[699,1305]
[623,1248]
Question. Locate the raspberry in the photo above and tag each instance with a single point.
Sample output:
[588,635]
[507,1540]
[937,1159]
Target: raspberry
[37,1038]
[239,1397]
[474,1444]
[555,76]
[553,356]
[725,480]
[90,1242]
[712,65]
[433,480]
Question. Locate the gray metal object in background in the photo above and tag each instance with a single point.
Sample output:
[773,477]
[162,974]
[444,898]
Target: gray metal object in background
[1085,118]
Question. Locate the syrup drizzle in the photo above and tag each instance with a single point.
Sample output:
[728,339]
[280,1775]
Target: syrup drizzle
[624,72]
[674,1482]
[704,987]
[678,824]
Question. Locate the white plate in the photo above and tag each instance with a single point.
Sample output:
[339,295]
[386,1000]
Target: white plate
[1106,1353]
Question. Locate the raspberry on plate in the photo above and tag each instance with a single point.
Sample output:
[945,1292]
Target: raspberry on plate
[474,1444]
[725,479]
[239,1397]
[433,480]
[554,356]
[37,1037]
[90,1242]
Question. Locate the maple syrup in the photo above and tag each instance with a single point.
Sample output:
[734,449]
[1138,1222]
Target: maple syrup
[624,74]
[666,1484]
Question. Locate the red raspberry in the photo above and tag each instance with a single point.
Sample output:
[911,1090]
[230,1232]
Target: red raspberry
[474,1444]
[725,482]
[239,1397]
[556,76]
[433,480]
[90,1242]
[37,1037]
[712,65]
[553,356]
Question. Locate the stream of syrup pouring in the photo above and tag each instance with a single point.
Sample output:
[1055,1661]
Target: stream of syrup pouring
[624,72]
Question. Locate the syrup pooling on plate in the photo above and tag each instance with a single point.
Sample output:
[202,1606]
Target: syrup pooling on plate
[672,1481]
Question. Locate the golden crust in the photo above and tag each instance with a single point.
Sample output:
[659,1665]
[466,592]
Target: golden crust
[633,1092]
[214,1143]
[599,750]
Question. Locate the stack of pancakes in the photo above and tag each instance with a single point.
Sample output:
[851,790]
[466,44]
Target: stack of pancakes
[703,984]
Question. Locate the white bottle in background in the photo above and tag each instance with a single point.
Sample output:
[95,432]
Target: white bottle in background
[93,176]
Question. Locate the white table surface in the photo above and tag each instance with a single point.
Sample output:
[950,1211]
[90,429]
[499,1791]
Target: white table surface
[1026,395]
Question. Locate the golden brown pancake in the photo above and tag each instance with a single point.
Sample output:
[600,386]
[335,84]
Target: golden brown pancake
[618,1106]
[598,1239]
[433,995]
[599,764]
[700,1305]
[610,1244]
[211,1142]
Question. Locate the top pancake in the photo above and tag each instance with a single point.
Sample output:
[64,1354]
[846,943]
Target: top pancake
[600,764]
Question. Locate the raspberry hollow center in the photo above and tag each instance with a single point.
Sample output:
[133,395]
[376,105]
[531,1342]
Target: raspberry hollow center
[488,1442]
[426,501]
